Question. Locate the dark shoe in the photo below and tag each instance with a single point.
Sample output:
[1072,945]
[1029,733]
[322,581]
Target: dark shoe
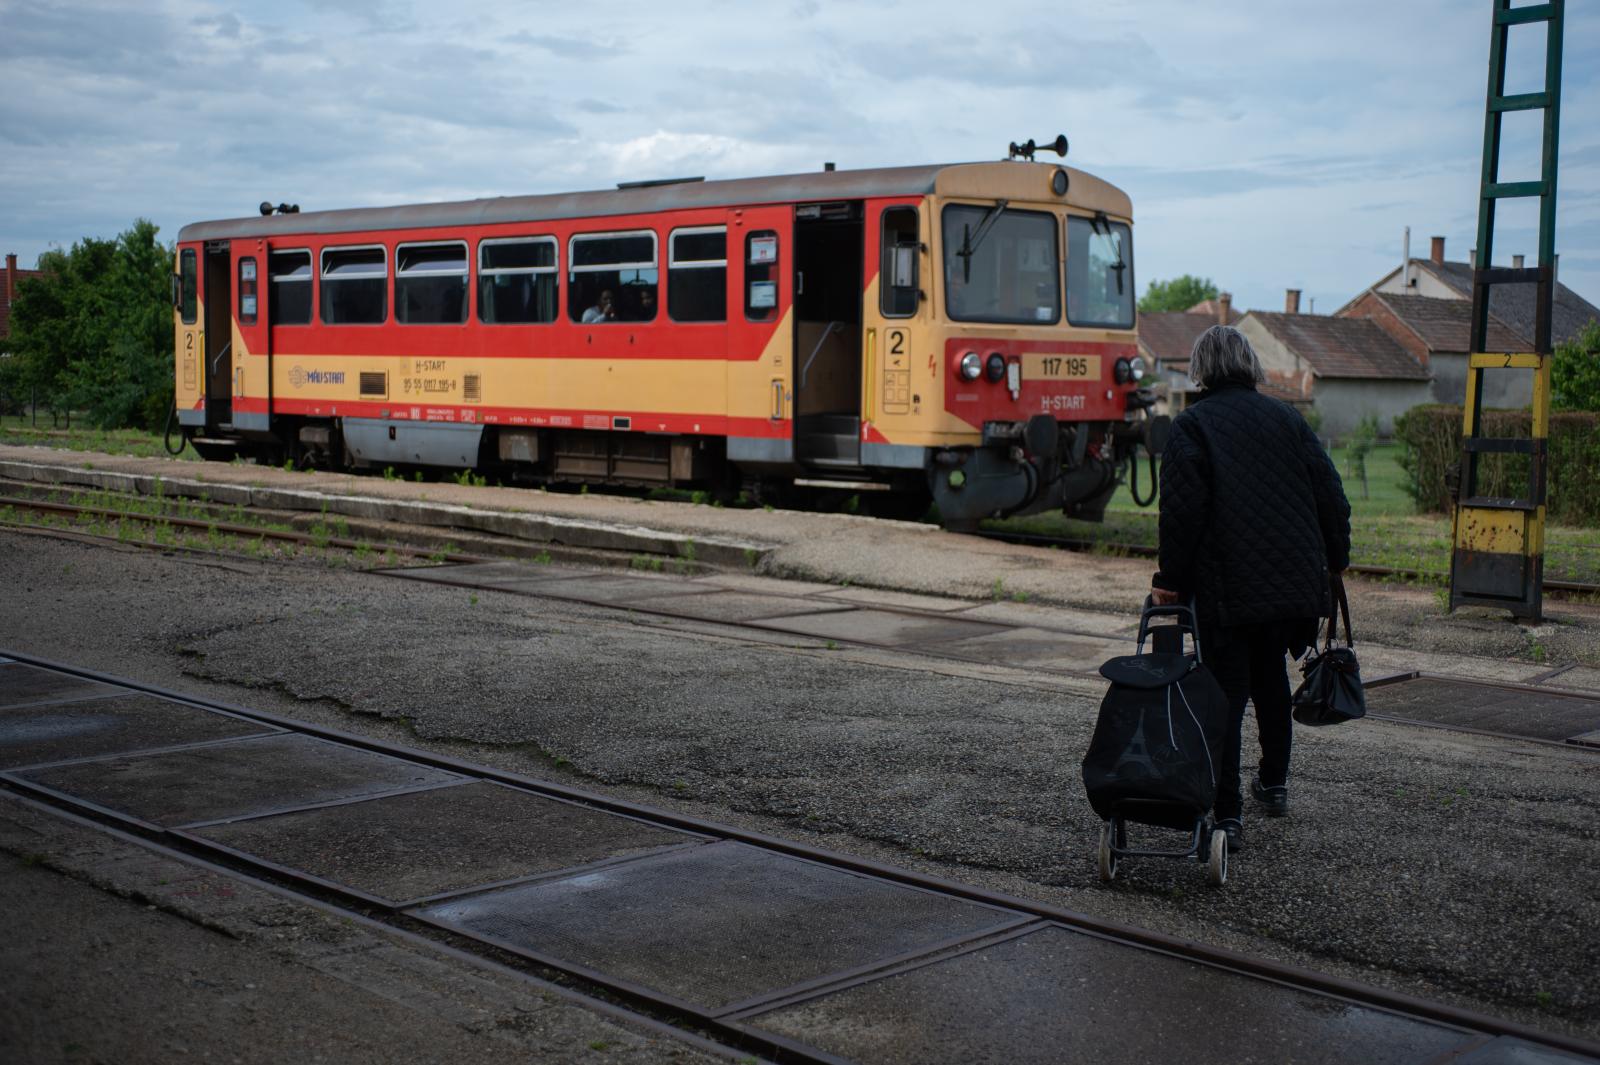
[1274,801]
[1233,828]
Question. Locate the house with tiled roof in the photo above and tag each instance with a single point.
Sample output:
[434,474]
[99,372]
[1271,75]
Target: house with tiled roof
[8,292]
[1437,332]
[1344,368]
[1515,305]
[1426,304]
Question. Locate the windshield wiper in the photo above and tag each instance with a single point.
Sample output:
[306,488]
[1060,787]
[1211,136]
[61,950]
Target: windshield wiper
[1119,266]
[971,240]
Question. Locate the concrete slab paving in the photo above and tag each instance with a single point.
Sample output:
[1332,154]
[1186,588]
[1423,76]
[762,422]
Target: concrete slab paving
[1038,647]
[490,573]
[20,684]
[1064,619]
[36,734]
[1541,715]
[897,600]
[738,606]
[714,925]
[236,778]
[618,588]
[418,844]
[1056,995]
[1507,1050]
[882,627]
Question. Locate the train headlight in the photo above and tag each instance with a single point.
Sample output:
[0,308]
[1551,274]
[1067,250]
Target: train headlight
[1136,367]
[995,367]
[1123,371]
[971,366]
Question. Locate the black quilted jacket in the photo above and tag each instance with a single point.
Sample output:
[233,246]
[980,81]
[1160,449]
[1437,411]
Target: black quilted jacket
[1253,516]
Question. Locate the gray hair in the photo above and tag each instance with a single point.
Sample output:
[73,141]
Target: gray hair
[1222,354]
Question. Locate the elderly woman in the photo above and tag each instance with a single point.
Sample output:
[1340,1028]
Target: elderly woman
[1253,522]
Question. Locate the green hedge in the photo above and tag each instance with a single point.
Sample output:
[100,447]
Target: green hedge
[1430,440]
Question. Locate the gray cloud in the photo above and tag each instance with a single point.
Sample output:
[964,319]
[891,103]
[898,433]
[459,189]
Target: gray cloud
[1297,149]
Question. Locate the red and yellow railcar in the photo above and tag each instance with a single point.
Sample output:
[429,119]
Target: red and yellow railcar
[963,333]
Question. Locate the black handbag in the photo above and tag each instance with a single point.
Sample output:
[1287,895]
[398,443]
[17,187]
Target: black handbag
[1331,692]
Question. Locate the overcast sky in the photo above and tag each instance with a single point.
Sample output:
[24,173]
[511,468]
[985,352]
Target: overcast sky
[1265,145]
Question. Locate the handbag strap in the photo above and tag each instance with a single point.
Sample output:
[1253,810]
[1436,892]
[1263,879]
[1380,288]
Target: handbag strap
[1338,603]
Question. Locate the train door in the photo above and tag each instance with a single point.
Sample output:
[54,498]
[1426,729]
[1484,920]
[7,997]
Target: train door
[218,335]
[827,333]
[254,377]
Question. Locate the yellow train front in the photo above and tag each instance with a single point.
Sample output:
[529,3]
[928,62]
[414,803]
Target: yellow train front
[962,334]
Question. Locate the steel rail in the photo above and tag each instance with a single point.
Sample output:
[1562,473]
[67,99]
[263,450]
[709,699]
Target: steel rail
[1274,972]
[248,532]
[766,626]
[1146,551]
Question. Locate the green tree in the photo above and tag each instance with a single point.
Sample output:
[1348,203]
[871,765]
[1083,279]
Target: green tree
[1575,371]
[57,316]
[94,331]
[1179,294]
[125,376]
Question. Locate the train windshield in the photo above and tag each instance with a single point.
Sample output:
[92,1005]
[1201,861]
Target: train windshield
[1099,273]
[1001,265]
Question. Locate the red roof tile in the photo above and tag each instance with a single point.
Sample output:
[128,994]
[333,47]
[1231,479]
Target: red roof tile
[1169,336]
[1342,347]
[1445,325]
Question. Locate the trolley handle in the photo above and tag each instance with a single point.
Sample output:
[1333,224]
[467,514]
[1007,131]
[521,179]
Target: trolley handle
[1187,622]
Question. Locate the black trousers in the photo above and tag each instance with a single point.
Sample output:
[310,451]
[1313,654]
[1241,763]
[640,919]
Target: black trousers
[1248,663]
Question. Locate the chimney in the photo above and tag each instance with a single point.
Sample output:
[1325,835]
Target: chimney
[1438,251]
[1472,259]
[1291,301]
[1516,262]
[11,277]
[1224,307]
[1405,260]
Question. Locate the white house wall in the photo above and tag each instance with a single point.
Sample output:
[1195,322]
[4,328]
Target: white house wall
[1343,402]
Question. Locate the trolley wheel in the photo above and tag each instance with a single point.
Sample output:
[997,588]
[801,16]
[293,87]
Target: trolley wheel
[1217,865]
[1108,861]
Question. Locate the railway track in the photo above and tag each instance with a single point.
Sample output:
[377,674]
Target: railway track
[1146,551]
[764,944]
[1562,719]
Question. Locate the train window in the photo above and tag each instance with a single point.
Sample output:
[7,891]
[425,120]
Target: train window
[517,280]
[612,277]
[1099,273]
[190,297]
[760,275]
[247,290]
[697,275]
[430,283]
[898,275]
[355,285]
[1001,265]
[289,288]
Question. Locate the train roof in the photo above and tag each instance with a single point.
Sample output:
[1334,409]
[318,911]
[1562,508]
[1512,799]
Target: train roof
[1007,179]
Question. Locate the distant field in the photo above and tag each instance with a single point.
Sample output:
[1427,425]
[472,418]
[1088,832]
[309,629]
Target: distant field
[1384,528]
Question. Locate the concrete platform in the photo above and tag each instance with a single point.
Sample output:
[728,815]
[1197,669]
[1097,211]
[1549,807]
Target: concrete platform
[39,733]
[236,778]
[404,848]
[1053,995]
[717,924]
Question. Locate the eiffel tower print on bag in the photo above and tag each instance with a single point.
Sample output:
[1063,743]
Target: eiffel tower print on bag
[1161,727]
